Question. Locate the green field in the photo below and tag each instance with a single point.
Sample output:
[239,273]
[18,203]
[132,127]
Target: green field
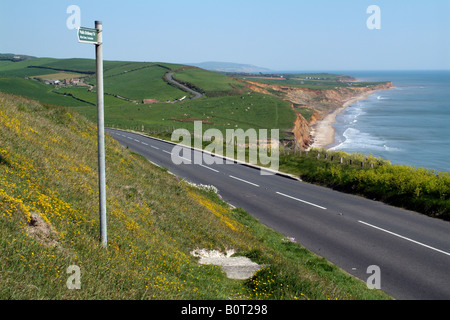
[144,83]
[35,90]
[86,97]
[211,83]
[133,81]
[323,81]
[246,111]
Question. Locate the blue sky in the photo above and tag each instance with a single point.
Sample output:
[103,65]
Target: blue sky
[280,35]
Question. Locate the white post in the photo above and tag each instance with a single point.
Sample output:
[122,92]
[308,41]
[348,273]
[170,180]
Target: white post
[101,133]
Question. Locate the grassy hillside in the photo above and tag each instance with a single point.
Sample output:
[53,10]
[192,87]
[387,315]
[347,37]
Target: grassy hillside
[228,112]
[213,84]
[49,221]
[133,81]
[143,83]
[35,90]
[227,104]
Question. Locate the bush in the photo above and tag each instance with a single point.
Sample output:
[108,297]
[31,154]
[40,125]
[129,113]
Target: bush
[419,189]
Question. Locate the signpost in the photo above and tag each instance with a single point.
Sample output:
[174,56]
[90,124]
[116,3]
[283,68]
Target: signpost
[94,36]
[87,35]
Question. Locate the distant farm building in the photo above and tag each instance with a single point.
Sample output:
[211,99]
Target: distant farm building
[74,82]
[149,101]
[53,82]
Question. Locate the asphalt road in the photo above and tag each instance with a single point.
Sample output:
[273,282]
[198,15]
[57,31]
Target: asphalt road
[195,93]
[412,251]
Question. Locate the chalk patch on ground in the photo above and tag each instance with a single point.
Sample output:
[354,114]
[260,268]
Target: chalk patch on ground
[235,267]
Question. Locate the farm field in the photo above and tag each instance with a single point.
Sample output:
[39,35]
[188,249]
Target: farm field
[35,90]
[246,111]
[209,82]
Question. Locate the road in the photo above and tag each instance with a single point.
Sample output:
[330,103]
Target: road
[411,250]
[195,93]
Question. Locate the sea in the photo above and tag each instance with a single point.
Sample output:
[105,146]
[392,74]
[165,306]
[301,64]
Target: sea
[407,125]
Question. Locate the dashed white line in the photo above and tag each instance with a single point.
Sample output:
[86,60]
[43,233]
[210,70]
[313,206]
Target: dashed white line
[145,144]
[253,184]
[209,168]
[155,147]
[167,152]
[300,200]
[185,159]
[405,238]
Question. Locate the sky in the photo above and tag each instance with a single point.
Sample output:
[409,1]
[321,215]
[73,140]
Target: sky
[282,35]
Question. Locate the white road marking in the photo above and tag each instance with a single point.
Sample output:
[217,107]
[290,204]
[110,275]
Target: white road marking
[155,147]
[405,238]
[167,152]
[207,167]
[297,199]
[253,184]
[145,144]
[186,159]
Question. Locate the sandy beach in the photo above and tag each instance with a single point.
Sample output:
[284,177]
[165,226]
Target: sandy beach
[323,130]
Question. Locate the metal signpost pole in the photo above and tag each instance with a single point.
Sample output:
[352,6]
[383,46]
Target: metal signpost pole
[101,132]
[95,36]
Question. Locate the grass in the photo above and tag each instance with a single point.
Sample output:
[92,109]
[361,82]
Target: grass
[59,76]
[142,84]
[35,90]
[320,81]
[89,98]
[22,68]
[213,84]
[134,81]
[48,159]
[246,111]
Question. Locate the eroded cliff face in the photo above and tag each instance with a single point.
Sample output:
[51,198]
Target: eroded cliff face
[302,133]
[320,102]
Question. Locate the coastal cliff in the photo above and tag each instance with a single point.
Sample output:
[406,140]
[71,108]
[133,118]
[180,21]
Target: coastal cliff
[314,105]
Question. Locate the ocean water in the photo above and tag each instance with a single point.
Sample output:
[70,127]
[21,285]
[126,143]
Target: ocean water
[406,125]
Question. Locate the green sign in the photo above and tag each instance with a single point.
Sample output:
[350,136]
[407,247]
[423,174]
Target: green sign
[87,35]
